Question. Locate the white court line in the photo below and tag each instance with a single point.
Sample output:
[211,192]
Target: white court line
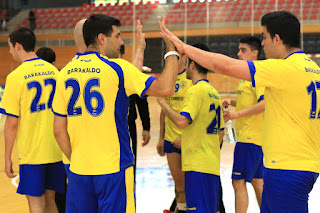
[14,181]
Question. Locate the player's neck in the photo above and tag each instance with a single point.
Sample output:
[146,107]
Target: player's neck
[198,76]
[181,69]
[27,56]
[287,52]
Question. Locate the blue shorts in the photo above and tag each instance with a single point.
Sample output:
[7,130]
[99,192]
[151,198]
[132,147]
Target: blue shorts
[169,148]
[36,179]
[202,192]
[286,190]
[108,193]
[247,162]
[67,169]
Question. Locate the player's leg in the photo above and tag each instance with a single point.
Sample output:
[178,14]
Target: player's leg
[50,204]
[241,195]
[257,184]
[36,204]
[238,178]
[115,192]
[287,190]
[32,184]
[55,182]
[256,157]
[202,192]
[81,196]
[174,162]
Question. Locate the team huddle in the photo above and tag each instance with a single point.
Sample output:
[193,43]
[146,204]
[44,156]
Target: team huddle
[79,115]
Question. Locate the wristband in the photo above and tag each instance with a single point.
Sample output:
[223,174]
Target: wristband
[171,53]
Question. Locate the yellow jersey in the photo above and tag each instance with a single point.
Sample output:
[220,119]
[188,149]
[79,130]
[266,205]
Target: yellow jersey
[93,93]
[249,129]
[200,145]
[176,102]
[291,139]
[28,96]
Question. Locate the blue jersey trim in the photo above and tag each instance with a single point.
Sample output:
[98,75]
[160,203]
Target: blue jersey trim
[261,98]
[90,52]
[3,111]
[300,51]
[221,129]
[32,59]
[148,84]
[182,72]
[252,72]
[187,114]
[206,80]
[121,117]
[60,115]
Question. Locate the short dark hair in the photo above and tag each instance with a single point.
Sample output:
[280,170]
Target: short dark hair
[46,54]
[25,37]
[253,42]
[285,24]
[200,68]
[122,50]
[96,24]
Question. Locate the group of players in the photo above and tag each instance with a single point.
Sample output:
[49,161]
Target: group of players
[89,101]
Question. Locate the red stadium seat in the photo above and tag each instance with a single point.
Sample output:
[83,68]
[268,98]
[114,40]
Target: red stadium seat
[228,18]
[201,20]
[64,25]
[154,6]
[85,5]
[313,16]
[49,11]
[39,27]
[72,10]
[315,10]
[92,5]
[48,26]
[57,10]
[56,26]
[24,22]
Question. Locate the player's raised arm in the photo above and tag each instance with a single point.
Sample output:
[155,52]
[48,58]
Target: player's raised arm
[213,61]
[140,46]
[163,86]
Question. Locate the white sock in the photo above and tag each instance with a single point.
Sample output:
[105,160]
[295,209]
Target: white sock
[182,206]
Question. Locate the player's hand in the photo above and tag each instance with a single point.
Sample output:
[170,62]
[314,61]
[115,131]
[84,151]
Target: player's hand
[144,69]
[160,147]
[140,40]
[8,169]
[161,100]
[177,143]
[230,115]
[226,102]
[167,35]
[170,45]
[145,137]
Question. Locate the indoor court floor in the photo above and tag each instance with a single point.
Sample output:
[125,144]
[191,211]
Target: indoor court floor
[155,188]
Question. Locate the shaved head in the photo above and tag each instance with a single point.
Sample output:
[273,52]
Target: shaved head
[78,36]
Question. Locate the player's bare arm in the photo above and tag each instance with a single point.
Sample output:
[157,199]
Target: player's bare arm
[160,145]
[213,61]
[179,120]
[163,86]
[140,46]
[10,132]
[255,109]
[61,134]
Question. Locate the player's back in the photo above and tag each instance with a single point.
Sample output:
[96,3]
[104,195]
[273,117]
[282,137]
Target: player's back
[93,93]
[200,139]
[292,136]
[30,90]
[176,102]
